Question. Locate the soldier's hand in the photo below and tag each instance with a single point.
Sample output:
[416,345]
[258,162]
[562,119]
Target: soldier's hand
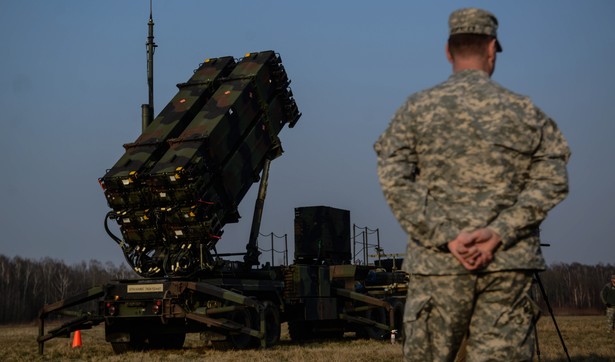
[475,249]
[464,248]
[487,241]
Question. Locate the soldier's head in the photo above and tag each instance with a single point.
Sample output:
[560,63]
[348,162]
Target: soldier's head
[473,41]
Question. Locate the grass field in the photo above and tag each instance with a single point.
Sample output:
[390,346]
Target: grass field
[584,338]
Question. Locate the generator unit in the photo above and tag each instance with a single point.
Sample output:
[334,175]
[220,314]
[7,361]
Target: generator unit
[322,234]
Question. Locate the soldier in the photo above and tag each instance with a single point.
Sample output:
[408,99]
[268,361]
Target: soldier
[608,298]
[470,170]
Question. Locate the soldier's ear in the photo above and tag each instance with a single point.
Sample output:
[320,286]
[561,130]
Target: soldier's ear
[492,49]
[449,56]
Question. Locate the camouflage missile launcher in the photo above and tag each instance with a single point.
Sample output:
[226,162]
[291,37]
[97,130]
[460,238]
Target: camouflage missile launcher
[181,181]
[171,194]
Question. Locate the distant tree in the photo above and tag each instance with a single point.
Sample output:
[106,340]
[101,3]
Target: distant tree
[26,285]
[574,286]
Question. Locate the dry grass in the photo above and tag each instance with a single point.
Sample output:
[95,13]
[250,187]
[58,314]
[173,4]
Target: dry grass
[584,337]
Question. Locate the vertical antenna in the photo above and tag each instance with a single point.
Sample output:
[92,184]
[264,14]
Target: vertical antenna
[147,110]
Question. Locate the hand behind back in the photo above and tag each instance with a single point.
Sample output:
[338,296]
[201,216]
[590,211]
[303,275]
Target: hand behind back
[475,249]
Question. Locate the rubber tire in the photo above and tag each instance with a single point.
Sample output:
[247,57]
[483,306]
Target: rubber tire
[379,315]
[398,317]
[248,318]
[137,343]
[273,327]
[121,347]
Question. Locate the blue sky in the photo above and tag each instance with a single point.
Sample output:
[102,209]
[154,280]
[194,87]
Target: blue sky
[72,79]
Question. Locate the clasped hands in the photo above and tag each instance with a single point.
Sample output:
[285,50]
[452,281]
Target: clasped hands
[475,249]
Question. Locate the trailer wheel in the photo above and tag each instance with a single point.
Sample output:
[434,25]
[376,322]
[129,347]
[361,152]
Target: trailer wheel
[273,327]
[398,317]
[237,340]
[121,347]
[137,343]
[378,315]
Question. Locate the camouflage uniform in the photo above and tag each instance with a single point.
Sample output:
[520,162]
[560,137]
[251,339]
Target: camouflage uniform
[608,298]
[463,155]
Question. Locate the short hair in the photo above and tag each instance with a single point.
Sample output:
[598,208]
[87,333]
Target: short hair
[467,44]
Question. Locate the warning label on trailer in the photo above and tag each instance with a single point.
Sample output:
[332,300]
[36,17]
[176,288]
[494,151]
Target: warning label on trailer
[144,288]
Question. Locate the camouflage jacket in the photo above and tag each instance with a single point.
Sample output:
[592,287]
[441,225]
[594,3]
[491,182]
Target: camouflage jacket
[466,154]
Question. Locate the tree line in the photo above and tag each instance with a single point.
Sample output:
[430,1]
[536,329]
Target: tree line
[574,287]
[26,285]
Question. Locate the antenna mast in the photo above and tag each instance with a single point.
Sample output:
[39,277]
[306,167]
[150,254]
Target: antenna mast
[147,110]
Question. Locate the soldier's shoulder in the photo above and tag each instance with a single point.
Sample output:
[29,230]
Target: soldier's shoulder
[508,94]
[430,94]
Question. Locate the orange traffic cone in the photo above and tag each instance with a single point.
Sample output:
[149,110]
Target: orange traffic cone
[77,339]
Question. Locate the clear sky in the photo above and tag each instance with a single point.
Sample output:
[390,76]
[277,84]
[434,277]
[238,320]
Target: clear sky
[72,79]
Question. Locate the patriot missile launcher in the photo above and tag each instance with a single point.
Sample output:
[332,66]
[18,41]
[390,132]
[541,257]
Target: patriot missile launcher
[172,192]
